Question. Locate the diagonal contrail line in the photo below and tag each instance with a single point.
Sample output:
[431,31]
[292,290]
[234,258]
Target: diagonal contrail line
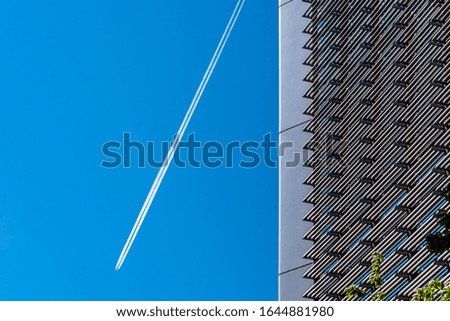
[180,133]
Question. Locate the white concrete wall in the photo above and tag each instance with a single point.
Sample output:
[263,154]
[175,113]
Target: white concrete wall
[292,285]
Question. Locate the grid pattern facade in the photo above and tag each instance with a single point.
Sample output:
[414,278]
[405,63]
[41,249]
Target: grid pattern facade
[379,74]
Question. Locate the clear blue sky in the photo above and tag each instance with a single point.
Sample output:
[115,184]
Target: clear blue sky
[75,74]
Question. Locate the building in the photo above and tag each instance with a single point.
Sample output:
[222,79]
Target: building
[364,88]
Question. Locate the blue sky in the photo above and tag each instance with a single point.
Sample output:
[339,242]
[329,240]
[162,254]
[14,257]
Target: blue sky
[76,74]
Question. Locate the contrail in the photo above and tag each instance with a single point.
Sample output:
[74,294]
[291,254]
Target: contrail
[180,133]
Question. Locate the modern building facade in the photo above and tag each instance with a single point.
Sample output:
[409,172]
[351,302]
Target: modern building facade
[364,88]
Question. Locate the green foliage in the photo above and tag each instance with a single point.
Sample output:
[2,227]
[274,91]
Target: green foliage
[445,296]
[434,291]
[375,280]
[440,242]
[380,296]
[354,291]
[375,277]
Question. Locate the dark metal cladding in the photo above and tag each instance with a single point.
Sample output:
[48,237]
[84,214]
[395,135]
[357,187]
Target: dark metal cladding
[380,112]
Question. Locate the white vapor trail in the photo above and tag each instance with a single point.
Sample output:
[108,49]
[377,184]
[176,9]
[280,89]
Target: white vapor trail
[180,133]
